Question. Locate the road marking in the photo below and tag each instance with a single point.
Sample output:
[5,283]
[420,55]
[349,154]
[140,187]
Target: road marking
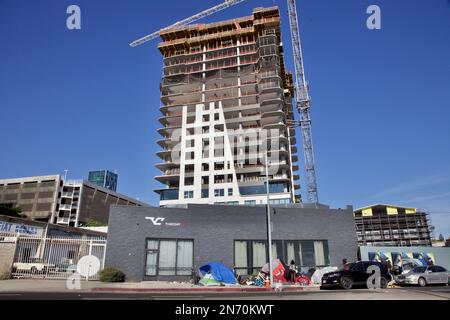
[177,297]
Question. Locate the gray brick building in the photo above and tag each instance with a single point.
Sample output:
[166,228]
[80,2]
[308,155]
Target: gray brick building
[150,243]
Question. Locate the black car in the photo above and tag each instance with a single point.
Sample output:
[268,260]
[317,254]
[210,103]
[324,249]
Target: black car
[355,274]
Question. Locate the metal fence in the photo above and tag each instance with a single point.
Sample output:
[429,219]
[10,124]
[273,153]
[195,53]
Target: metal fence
[52,257]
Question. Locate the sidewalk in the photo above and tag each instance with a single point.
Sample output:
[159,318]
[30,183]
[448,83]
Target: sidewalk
[29,285]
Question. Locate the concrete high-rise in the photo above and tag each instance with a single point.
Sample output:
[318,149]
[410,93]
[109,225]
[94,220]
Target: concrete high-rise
[226,104]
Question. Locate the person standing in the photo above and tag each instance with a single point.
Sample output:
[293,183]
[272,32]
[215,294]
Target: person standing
[292,271]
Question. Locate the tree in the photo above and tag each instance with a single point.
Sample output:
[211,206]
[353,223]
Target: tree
[441,238]
[94,223]
[10,211]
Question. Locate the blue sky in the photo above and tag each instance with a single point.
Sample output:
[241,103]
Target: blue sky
[83,100]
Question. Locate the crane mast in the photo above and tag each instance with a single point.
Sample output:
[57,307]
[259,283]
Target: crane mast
[303,103]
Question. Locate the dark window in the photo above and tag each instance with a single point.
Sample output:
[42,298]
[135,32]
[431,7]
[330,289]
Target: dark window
[251,255]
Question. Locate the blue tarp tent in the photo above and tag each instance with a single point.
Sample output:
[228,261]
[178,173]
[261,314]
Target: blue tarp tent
[219,271]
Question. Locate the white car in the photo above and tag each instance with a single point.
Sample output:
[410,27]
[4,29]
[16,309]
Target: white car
[33,266]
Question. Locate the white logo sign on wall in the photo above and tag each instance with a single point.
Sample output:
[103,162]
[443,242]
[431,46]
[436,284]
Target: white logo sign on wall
[159,221]
[156,221]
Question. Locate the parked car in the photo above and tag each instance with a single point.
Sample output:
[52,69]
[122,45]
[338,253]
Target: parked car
[34,265]
[66,265]
[355,274]
[425,275]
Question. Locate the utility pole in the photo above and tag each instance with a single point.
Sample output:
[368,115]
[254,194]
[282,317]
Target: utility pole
[269,223]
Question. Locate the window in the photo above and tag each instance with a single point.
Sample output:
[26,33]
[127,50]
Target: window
[169,257]
[190,143]
[280,201]
[240,257]
[250,255]
[218,166]
[190,120]
[259,254]
[205,193]
[250,202]
[219,193]
[189,194]
[230,192]
[190,155]
[216,116]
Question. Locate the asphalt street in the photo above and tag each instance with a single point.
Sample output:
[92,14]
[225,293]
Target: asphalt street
[405,293]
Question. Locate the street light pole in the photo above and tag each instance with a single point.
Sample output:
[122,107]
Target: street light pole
[269,224]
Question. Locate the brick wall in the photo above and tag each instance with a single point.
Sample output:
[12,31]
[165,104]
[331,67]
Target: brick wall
[214,229]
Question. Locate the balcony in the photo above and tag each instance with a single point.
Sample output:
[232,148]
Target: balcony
[168,194]
[63,221]
[65,207]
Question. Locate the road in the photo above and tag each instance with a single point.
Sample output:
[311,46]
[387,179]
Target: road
[409,293]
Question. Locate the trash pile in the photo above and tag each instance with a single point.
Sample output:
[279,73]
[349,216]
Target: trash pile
[282,274]
[217,274]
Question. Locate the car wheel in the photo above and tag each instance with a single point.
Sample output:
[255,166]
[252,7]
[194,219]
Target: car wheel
[346,283]
[422,282]
[34,270]
[383,283]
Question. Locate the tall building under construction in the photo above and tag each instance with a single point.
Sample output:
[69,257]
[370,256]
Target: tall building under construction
[227,104]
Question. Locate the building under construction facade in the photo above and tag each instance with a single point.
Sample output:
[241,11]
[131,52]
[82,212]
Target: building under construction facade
[388,225]
[226,104]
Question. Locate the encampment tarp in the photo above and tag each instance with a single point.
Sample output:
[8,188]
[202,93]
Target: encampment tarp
[219,272]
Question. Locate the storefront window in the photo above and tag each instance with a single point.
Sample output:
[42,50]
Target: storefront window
[169,257]
[319,253]
[259,254]
[185,257]
[305,253]
[152,257]
[240,257]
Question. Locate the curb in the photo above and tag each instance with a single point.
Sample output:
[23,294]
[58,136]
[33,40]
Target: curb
[204,289]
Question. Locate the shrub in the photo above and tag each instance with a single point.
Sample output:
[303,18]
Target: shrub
[5,276]
[112,275]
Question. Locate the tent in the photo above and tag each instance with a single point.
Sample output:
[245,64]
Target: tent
[278,270]
[216,273]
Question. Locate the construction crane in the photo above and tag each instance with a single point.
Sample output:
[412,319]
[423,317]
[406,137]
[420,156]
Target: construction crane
[302,99]
[303,103]
[198,16]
